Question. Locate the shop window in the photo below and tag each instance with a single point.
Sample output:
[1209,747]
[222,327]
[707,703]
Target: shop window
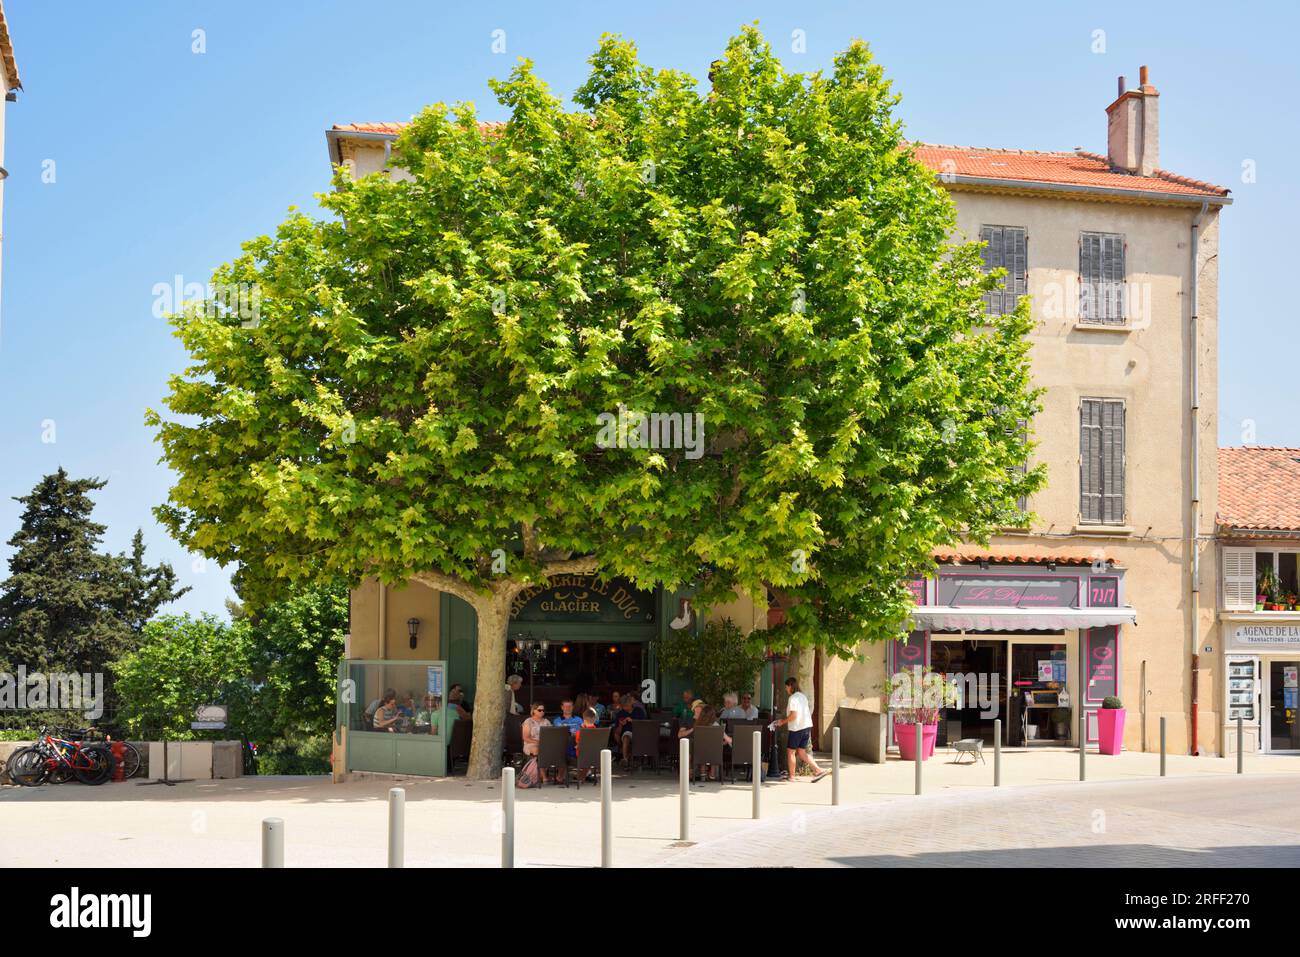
[396,698]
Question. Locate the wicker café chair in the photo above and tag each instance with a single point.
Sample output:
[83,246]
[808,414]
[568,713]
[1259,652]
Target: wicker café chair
[706,749]
[742,747]
[553,751]
[591,742]
[645,742]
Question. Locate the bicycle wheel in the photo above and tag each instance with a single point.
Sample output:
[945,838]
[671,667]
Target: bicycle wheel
[130,761]
[27,766]
[93,765]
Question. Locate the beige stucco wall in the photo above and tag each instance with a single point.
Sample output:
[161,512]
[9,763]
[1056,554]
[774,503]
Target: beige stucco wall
[1148,365]
[373,603]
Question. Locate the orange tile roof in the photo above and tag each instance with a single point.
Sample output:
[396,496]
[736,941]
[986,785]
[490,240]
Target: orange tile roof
[1013,168]
[1075,168]
[7,54]
[1259,488]
[965,555]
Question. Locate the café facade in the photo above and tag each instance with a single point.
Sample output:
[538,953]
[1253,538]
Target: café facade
[1111,587]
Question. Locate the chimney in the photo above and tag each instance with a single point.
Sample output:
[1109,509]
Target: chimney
[1133,128]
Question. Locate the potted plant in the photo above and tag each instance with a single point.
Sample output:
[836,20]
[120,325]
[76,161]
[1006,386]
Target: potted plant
[1264,584]
[1061,720]
[918,696]
[1110,726]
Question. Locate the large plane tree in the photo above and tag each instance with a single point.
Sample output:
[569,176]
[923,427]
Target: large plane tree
[426,392]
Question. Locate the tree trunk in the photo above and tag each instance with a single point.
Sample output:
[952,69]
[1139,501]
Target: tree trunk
[489,689]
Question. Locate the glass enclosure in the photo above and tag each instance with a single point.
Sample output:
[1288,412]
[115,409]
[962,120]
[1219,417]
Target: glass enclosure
[396,716]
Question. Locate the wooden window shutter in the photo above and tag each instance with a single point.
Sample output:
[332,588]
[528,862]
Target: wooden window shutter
[1239,579]
[1090,460]
[1112,475]
[1005,247]
[1089,274]
[1102,272]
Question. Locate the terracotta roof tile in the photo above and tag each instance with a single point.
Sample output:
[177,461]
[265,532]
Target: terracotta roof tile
[1075,168]
[1259,488]
[965,555]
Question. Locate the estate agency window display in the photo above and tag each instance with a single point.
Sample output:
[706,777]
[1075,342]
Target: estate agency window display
[1012,636]
[1262,660]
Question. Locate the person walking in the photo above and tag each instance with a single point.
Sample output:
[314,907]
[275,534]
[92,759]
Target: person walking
[798,721]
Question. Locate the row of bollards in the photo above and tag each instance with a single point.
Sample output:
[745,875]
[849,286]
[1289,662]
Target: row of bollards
[273,827]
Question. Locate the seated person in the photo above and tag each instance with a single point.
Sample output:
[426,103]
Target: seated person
[386,716]
[532,733]
[588,722]
[568,719]
[406,707]
[426,716]
[456,702]
[629,710]
[689,718]
[745,711]
[374,705]
[707,717]
[683,710]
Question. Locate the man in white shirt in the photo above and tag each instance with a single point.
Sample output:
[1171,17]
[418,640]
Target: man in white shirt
[513,684]
[798,721]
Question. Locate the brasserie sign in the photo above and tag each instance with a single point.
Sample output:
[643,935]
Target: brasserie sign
[1266,635]
[584,598]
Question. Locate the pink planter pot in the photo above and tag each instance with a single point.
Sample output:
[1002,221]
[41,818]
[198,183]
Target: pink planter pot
[1110,730]
[905,734]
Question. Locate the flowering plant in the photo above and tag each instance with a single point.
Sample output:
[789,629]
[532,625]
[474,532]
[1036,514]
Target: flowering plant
[917,695]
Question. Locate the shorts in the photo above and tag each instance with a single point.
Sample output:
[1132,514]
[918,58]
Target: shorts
[799,739]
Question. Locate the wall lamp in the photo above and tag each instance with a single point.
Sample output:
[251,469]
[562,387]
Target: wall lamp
[413,629]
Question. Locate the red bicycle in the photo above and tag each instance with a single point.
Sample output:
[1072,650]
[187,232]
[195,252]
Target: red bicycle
[57,760]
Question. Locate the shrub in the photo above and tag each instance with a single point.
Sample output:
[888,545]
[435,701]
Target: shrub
[1110,702]
[309,755]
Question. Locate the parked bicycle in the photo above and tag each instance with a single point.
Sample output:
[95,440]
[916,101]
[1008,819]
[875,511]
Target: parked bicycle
[57,759]
[130,756]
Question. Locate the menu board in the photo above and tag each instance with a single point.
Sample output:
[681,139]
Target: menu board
[1103,662]
[434,680]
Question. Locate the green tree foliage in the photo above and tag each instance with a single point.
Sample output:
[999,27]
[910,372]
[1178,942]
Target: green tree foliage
[66,605]
[296,647]
[719,659]
[275,670]
[183,662]
[423,382]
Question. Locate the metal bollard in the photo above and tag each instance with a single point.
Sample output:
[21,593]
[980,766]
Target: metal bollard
[1083,744]
[1162,747]
[835,766]
[507,817]
[1241,746]
[684,783]
[606,809]
[919,755]
[997,752]
[273,842]
[396,827]
[756,773]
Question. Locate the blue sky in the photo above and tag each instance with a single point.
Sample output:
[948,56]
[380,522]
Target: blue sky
[166,159]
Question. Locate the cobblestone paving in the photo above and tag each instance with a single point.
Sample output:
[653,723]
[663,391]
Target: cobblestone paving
[1211,822]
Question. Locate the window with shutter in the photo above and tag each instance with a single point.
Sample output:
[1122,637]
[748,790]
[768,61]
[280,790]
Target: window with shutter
[1101,278]
[1005,247]
[1239,579]
[1101,461]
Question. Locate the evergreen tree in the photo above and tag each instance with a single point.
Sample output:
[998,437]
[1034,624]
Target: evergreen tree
[66,605]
